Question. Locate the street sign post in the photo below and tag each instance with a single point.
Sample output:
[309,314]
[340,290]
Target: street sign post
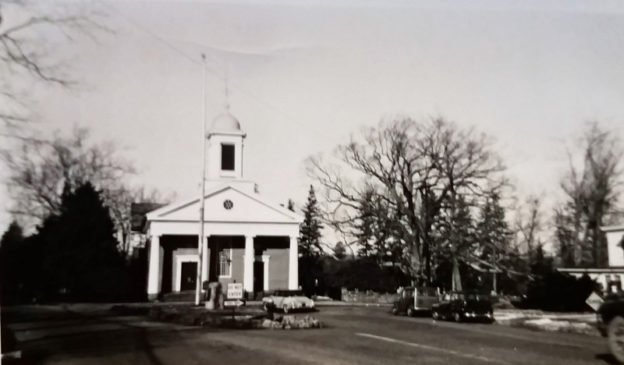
[594,301]
[233,303]
[234,296]
[235,291]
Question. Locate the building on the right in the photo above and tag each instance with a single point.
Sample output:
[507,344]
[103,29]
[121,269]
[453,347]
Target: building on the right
[611,277]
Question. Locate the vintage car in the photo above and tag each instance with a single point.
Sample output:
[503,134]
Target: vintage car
[413,300]
[610,321]
[287,301]
[460,306]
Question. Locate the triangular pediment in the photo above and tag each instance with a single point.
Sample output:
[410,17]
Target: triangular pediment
[226,204]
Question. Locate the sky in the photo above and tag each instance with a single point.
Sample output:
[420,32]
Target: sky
[304,76]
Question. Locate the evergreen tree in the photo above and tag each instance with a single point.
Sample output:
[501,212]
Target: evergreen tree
[494,234]
[13,235]
[457,239]
[375,229]
[492,229]
[81,260]
[339,251]
[310,250]
[310,229]
[11,251]
[364,228]
[541,264]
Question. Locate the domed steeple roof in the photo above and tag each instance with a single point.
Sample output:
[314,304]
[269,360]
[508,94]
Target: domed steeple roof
[225,123]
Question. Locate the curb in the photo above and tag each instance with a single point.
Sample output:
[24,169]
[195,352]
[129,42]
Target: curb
[351,304]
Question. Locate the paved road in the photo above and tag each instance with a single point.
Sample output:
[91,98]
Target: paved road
[355,336]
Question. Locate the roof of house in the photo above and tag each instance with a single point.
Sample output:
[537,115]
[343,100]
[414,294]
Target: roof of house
[613,228]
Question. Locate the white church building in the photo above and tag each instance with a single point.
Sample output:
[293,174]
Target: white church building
[248,239]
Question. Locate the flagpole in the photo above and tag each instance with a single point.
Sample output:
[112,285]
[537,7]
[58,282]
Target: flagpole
[201,238]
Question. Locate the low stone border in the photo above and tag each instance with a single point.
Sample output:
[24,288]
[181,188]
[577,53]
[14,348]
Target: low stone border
[291,322]
[243,318]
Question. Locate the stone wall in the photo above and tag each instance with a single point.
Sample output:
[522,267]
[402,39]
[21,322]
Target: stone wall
[368,297]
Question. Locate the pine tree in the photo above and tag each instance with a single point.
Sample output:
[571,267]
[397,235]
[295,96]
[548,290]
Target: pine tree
[493,233]
[492,229]
[457,237]
[541,264]
[81,260]
[340,251]
[365,227]
[11,263]
[310,229]
[13,235]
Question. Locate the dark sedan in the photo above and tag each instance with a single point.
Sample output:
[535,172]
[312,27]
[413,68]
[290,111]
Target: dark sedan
[462,307]
[415,300]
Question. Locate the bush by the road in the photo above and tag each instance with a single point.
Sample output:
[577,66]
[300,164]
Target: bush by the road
[357,273]
[555,291]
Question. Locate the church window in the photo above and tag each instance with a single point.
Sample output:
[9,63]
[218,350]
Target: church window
[225,262]
[227,157]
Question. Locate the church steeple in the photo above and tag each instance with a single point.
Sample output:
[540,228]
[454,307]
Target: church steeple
[225,144]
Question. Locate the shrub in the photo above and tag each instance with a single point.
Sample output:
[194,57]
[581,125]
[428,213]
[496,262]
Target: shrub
[555,291]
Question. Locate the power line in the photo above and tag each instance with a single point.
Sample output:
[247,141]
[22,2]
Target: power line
[183,54]
[238,87]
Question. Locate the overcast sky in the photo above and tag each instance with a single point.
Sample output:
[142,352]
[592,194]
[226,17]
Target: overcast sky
[304,76]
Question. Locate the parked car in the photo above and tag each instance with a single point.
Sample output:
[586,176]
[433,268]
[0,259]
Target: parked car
[287,301]
[610,321]
[413,300]
[459,306]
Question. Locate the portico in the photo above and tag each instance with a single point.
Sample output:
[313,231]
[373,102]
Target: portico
[247,238]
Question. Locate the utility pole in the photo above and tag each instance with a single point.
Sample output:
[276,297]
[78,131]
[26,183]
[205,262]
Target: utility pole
[201,238]
[494,270]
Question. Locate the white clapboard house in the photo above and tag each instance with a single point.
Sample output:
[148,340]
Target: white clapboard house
[612,277]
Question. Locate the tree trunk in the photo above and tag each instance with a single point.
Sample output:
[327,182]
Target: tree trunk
[456,278]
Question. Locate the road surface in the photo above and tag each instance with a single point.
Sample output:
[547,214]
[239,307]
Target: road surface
[354,335]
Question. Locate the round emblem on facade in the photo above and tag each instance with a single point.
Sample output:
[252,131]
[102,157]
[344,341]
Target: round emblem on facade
[227,204]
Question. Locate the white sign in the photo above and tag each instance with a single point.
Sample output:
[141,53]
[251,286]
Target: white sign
[594,301]
[235,291]
[233,303]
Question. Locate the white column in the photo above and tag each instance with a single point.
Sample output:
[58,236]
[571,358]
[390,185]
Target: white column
[153,279]
[293,264]
[205,260]
[248,260]
[265,260]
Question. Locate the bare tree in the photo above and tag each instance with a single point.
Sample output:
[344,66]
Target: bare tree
[24,55]
[411,169]
[40,171]
[529,225]
[592,187]
[120,200]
